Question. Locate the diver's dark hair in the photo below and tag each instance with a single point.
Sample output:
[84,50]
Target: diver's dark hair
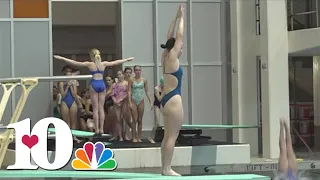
[127,68]
[169,44]
[66,67]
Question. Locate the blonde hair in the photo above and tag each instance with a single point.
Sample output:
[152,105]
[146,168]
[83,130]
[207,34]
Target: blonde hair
[95,53]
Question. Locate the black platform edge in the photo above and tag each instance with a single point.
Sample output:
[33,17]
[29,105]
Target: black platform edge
[129,144]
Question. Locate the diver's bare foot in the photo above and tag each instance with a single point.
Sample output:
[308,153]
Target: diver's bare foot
[101,131]
[134,140]
[151,140]
[113,138]
[139,140]
[282,120]
[285,121]
[126,138]
[77,140]
[120,139]
[169,172]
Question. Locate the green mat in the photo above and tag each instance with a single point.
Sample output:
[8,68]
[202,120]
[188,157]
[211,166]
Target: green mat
[211,177]
[80,133]
[72,174]
[217,126]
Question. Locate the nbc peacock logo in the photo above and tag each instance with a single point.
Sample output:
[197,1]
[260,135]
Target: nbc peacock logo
[94,157]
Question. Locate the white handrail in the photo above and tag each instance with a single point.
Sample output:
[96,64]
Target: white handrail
[46,78]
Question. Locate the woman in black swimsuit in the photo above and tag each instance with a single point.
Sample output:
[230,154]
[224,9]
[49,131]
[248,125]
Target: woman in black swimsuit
[156,108]
[108,106]
[109,102]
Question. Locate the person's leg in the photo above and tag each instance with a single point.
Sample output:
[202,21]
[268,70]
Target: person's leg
[134,113]
[156,114]
[292,159]
[172,119]
[283,161]
[102,97]
[139,120]
[95,108]
[73,119]
[112,120]
[118,127]
[73,116]
[128,121]
[106,127]
[65,113]
[127,129]
[90,126]
[83,124]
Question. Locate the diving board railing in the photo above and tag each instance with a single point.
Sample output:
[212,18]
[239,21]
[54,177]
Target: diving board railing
[27,84]
[46,78]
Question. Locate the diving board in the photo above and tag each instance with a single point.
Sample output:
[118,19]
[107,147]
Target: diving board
[11,137]
[211,177]
[72,174]
[217,126]
[84,134]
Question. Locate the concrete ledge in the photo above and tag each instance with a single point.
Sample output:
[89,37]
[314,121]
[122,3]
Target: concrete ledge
[183,156]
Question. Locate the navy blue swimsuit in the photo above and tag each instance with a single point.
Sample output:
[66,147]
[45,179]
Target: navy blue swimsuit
[178,74]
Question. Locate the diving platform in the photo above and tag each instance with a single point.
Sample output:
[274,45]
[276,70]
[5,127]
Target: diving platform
[146,155]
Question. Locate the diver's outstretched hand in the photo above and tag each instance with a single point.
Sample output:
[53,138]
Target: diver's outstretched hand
[57,57]
[130,59]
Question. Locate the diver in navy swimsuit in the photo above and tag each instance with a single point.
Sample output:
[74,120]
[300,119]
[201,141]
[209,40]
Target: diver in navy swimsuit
[97,90]
[172,101]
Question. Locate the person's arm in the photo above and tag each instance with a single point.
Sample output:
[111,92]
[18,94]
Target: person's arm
[157,94]
[59,99]
[124,97]
[113,96]
[63,92]
[109,92]
[87,105]
[172,27]
[78,101]
[146,89]
[116,62]
[59,111]
[130,91]
[179,36]
[74,89]
[72,62]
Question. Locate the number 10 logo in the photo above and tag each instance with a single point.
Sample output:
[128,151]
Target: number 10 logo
[34,144]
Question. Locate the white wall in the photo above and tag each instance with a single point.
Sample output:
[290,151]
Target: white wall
[84,13]
[304,43]
[272,47]
[244,49]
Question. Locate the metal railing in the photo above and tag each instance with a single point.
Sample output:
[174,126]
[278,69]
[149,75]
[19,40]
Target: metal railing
[302,14]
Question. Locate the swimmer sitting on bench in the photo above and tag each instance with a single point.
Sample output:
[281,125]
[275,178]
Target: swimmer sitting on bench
[288,169]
